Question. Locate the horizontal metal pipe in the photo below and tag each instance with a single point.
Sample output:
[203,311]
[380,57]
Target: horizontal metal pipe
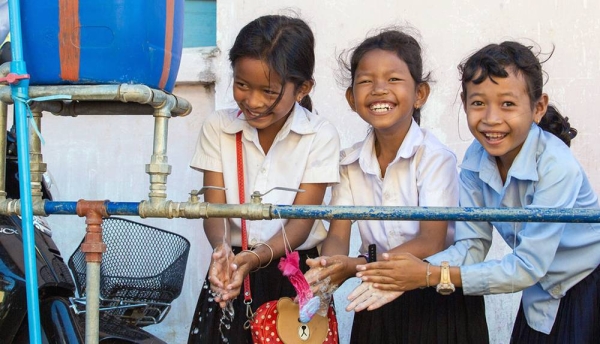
[126,93]
[437,213]
[265,211]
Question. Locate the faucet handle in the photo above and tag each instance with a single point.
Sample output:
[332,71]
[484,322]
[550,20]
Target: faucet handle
[257,196]
[195,193]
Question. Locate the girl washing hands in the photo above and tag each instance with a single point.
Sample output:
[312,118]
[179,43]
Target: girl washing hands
[398,164]
[280,143]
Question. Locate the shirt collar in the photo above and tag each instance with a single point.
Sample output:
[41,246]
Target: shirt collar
[298,122]
[524,166]
[365,152]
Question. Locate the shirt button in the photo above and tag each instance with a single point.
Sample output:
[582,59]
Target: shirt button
[263,171]
[556,290]
[253,241]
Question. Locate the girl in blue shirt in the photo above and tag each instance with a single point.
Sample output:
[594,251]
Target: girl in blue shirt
[515,163]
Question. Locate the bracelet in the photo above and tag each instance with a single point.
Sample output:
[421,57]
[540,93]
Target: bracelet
[270,248]
[365,256]
[428,274]
[257,257]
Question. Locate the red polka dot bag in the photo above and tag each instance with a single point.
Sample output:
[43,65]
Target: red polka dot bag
[278,322]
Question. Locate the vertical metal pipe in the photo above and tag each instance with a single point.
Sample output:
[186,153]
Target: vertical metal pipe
[37,166]
[92,307]
[20,90]
[3,128]
[159,168]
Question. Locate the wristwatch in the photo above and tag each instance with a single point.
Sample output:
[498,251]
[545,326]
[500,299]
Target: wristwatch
[445,287]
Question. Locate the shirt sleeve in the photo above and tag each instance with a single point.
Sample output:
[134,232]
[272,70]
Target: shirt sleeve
[535,244]
[341,193]
[472,240]
[207,155]
[437,179]
[324,156]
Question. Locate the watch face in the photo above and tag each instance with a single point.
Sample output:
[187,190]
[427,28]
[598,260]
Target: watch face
[445,289]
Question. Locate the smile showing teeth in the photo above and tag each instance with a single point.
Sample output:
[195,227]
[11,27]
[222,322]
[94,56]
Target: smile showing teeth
[381,107]
[254,114]
[494,136]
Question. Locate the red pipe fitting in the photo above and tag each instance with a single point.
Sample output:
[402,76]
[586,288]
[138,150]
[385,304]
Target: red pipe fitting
[94,212]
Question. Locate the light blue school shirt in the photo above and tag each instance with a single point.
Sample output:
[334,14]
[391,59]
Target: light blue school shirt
[548,258]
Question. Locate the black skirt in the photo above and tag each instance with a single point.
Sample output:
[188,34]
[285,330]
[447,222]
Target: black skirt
[577,320]
[423,316]
[266,284]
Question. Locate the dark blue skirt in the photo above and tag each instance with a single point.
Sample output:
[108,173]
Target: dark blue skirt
[577,320]
[423,316]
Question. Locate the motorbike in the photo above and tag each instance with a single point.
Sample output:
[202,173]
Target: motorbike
[137,283]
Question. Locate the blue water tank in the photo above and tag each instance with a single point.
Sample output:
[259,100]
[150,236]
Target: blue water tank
[102,41]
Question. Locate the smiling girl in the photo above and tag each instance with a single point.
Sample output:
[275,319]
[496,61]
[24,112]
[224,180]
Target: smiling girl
[282,144]
[397,164]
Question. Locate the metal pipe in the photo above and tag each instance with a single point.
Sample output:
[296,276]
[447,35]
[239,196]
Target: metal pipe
[93,247]
[126,93]
[92,108]
[37,165]
[20,90]
[265,211]
[159,168]
[92,304]
[3,146]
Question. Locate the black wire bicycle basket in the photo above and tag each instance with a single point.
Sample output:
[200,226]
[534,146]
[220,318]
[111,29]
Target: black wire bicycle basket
[141,273]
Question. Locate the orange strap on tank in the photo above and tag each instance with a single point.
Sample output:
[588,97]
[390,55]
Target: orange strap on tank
[69,39]
[170,18]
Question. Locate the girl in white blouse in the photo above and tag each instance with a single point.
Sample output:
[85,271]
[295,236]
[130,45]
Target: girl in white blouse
[398,164]
[283,144]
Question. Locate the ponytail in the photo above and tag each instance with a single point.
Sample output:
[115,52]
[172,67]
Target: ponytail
[306,102]
[553,122]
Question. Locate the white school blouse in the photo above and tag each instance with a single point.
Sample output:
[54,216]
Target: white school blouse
[306,150]
[424,173]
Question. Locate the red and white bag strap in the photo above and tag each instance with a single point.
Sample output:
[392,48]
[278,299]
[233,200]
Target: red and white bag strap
[241,188]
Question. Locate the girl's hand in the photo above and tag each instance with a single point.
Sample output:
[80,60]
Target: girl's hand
[220,272]
[366,296]
[243,263]
[397,272]
[333,270]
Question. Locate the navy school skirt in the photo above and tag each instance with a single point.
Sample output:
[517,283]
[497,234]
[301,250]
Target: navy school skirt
[423,316]
[577,320]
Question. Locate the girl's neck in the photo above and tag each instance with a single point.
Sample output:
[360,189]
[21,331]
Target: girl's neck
[386,148]
[266,136]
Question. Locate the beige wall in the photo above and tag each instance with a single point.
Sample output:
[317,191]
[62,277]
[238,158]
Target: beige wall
[104,158]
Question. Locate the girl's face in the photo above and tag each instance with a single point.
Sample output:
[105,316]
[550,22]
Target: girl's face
[384,94]
[500,115]
[255,89]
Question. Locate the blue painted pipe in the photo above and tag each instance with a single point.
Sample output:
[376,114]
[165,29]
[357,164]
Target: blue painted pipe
[375,213]
[112,208]
[437,213]
[20,90]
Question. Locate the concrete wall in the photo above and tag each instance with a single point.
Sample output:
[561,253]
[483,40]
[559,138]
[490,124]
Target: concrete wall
[104,158]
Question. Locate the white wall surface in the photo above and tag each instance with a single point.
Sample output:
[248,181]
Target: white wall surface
[450,31]
[104,158]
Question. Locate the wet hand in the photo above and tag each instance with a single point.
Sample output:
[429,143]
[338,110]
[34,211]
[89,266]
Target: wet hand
[240,268]
[396,272]
[220,272]
[366,296]
[330,270]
